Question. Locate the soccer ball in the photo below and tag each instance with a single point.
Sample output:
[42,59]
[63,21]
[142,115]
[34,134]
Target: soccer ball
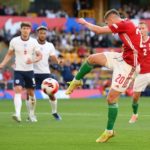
[50,86]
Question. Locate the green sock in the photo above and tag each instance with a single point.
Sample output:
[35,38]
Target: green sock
[135,107]
[84,69]
[112,115]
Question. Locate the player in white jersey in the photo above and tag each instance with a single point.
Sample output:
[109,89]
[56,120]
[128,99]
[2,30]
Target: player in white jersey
[23,48]
[41,68]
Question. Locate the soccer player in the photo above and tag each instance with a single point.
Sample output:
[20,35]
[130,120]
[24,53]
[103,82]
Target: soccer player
[23,47]
[123,64]
[142,79]
[41,68]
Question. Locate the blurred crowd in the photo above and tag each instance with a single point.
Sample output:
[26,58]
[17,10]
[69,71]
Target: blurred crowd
[135,11]
[6,79]
[12,11]
[129,10]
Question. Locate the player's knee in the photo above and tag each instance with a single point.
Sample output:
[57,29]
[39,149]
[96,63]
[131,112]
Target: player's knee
[18,89]
[30,92]
[111,99]
[90,59]
[98,59]
[136,97]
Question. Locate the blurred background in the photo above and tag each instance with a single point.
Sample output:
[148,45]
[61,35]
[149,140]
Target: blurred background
[73,42]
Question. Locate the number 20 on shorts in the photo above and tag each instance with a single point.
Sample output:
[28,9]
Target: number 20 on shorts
[120,79]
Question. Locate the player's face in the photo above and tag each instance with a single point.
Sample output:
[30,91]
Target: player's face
[25,31]
[42,34]
[144,29]
[109,21]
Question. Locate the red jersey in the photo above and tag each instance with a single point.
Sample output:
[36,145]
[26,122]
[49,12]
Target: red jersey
[145,65]
[7,75]
[132,41]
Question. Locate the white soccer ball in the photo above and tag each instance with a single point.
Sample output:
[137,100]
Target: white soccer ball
[50,86]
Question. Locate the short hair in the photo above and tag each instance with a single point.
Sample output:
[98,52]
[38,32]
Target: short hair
[41,28]
[143,22]
[111,11]
[25,24]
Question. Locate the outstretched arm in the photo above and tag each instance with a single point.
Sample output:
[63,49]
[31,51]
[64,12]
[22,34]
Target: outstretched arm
[94,28]
[7,57]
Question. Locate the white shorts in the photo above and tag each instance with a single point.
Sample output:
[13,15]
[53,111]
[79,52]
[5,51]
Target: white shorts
[123,74]
[141,82]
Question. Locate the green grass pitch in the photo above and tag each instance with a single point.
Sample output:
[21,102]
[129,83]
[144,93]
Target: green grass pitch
[83,121]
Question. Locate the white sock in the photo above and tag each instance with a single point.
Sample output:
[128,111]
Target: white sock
[31,104]
[28,106]
[53,106]
[110,131]
[18,104]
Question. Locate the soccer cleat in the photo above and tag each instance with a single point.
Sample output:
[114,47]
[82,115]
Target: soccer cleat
[32,118]
[106,135]
[57,116]
[134,118]
[16,118]
[73,85]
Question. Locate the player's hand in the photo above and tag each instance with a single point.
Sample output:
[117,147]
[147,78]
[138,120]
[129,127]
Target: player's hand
[29,61]
[81,21]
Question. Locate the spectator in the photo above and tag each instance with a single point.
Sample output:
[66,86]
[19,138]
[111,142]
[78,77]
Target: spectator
[66,71]
[77,7]
[2,10]
[7,76]
[1,81]
[82,50]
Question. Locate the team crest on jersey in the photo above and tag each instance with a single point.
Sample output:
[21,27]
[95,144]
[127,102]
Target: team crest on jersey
[17,81]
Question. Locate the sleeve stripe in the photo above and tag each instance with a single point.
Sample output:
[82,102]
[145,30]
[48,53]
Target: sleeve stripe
[135,52]
[115,26]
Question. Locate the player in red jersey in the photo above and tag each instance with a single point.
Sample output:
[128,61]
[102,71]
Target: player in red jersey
[123,64]
[143,79]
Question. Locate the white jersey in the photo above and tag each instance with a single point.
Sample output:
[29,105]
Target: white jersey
[23,50]
[42,67]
